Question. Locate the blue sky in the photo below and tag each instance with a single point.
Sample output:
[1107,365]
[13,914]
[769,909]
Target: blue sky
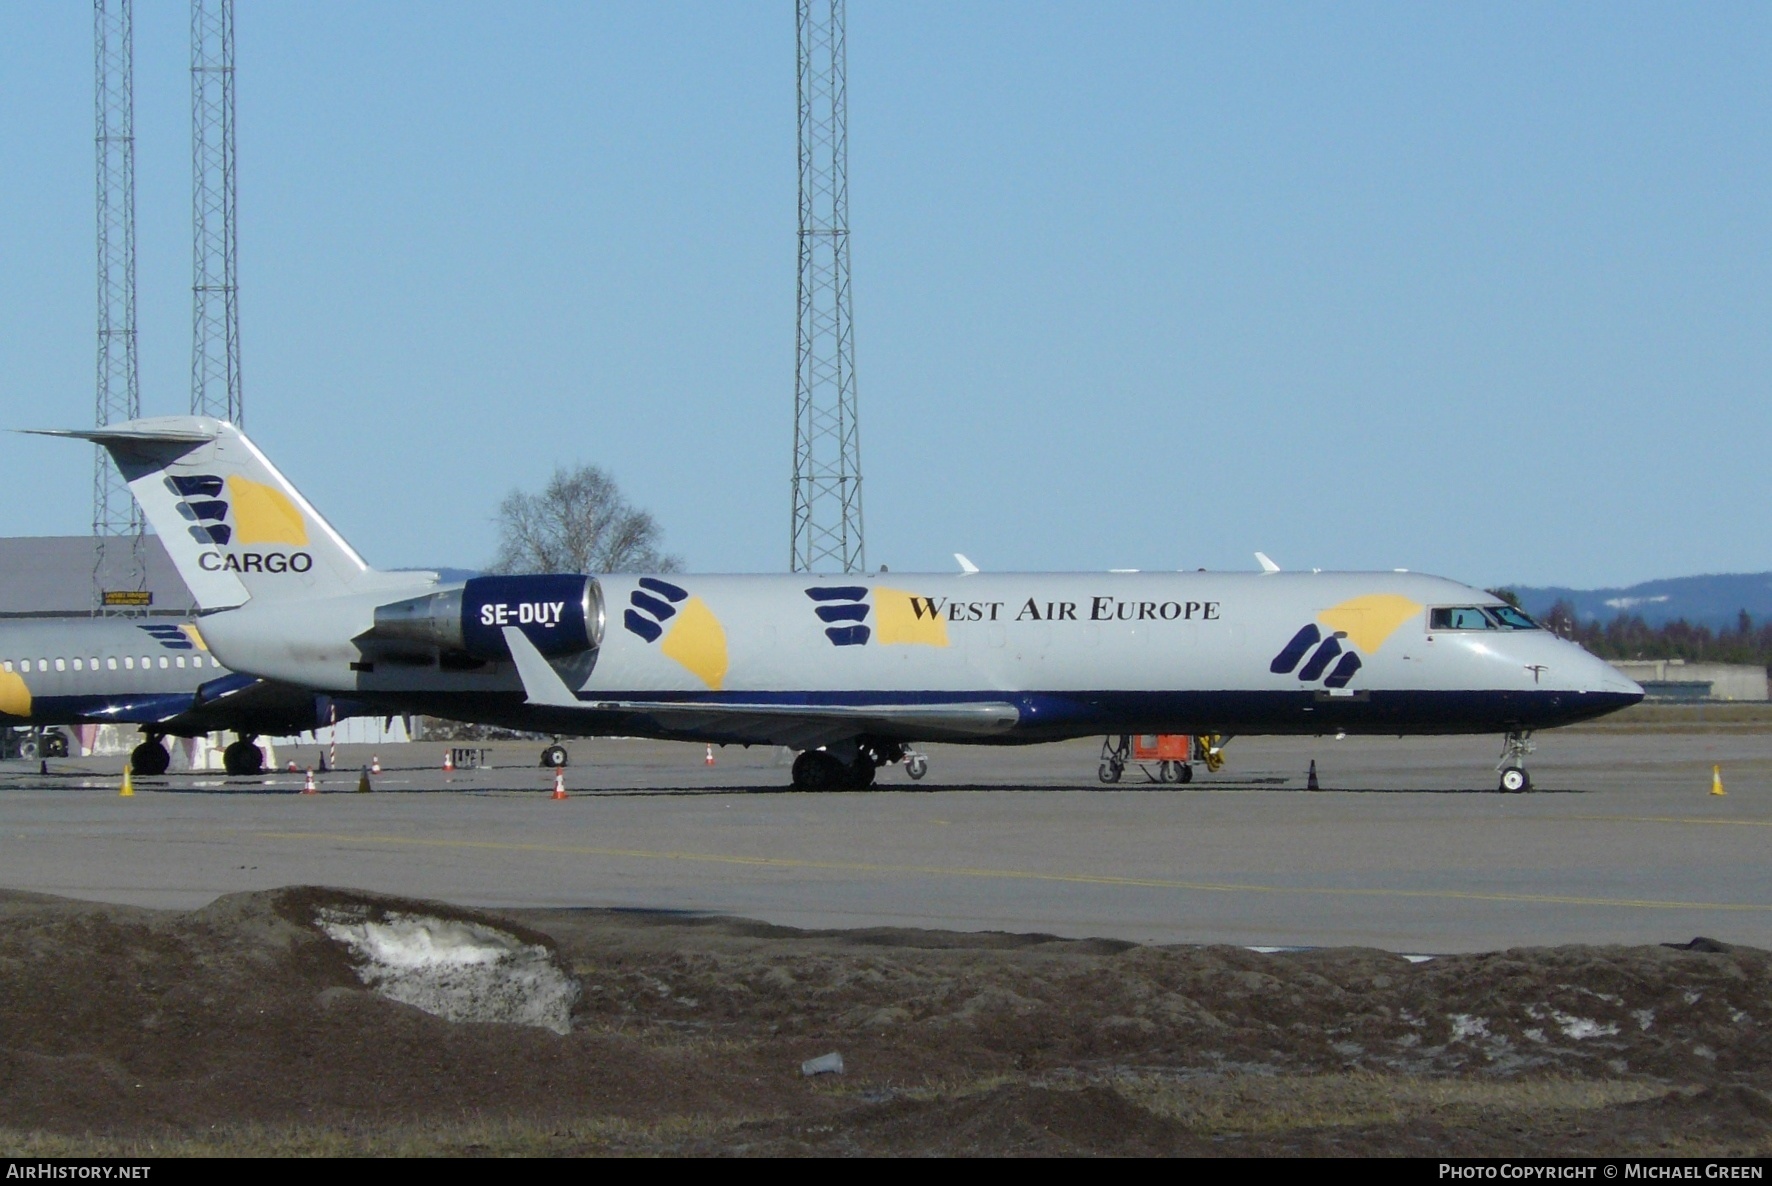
[1480,289]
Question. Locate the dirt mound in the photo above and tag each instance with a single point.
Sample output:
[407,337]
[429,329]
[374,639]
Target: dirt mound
[258,1024]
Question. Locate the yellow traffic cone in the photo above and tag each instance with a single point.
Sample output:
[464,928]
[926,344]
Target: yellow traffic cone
[1716,781]
[128,791]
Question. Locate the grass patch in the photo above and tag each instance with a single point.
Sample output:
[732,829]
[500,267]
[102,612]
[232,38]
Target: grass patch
[468,1138]
[1263,1104]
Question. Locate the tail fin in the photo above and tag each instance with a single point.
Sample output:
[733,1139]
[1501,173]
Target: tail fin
[233,525]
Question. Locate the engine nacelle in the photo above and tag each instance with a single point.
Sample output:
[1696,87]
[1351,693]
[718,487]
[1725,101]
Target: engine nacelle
[560,614]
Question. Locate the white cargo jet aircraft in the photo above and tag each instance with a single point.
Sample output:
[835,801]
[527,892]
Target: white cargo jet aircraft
[848,669]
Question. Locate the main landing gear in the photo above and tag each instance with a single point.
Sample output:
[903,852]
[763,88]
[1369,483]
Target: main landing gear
[848,766]
[149,759]
[554,757]
[1514,748]
[244,757]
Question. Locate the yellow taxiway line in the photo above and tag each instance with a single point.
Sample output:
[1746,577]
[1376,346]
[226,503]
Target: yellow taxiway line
[1015,874]
[1675,819]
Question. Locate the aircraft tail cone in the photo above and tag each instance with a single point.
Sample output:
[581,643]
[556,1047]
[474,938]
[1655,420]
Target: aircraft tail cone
[559,783]
[308,787]
[128,791]
[1716,781]
[363,787]
[709,761]
[375,763]
[1310,779]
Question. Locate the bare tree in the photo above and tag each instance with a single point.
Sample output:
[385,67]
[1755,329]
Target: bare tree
[579,523]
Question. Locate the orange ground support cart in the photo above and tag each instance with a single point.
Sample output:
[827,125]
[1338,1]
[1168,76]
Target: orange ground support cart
[1171,752]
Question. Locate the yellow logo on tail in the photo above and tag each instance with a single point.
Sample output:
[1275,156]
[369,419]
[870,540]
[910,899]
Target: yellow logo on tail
[265,515]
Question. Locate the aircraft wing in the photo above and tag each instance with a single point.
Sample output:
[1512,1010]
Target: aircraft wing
[804,725]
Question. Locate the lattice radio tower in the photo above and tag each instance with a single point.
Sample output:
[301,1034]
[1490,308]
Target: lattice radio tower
[827,442]
[115,517]
[215,291]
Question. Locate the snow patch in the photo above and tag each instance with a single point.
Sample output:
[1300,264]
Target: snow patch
[1581,1027]
[1622,603]
[1645,1018]
[456,970]
[1464,1026]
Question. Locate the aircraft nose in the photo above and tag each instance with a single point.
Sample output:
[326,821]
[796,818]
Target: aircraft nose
[1594,677]
[1610,679]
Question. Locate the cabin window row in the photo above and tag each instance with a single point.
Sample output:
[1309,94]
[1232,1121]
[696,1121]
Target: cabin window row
[110,664]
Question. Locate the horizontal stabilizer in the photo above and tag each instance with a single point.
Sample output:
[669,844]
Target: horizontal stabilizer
[177,430]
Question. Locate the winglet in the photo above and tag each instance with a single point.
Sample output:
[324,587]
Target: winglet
[966,566]
[1266,564]
[541,683]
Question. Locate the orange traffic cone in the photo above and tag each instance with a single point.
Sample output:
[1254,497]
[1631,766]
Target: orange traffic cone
[292,766]
[308,787]
[375,763]
[559,783]
[449,761]
[710,757]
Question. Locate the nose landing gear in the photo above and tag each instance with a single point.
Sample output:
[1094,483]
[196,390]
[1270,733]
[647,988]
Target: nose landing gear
[1514,748]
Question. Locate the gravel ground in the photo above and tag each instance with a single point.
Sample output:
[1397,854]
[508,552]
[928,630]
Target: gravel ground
[242,1027]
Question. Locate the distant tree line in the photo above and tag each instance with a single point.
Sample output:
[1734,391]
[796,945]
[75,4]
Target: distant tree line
[1628,636]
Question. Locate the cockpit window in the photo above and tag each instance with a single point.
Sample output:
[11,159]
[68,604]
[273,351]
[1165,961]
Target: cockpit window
[1512,618]
[1462,617]
[1479,617]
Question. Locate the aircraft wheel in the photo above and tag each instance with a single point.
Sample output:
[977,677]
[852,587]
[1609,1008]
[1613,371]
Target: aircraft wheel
[1515,781]
[1184,772]
[917,767]
[860,776]
[55,744]
[149,759]
[1110,771]
[554,757]
[816,770]
[243,758]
